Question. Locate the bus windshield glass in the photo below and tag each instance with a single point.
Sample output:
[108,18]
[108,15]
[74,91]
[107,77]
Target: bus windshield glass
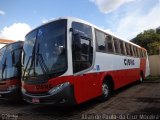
[10,60]
[44,50]
[2,51]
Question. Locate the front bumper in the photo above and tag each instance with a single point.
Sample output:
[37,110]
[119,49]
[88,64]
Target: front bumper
[64,97]
[14,94]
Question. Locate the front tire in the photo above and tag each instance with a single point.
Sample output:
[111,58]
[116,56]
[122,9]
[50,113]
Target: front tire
[106,91]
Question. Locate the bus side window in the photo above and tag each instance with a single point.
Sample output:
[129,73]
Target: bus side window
[138,53]
[109,41]
[101,44]
[125,44]
[122,47]
[131,51]
[127,49]
[145,53]
[141,54]
[135,52]
[116,45]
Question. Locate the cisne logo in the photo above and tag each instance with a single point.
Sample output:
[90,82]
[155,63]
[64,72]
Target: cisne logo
[129,62]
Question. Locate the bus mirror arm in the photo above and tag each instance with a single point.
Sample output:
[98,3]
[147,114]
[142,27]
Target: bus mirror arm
[71,29]
[13,58]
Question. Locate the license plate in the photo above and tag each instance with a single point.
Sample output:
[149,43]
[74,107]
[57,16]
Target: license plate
[35,100]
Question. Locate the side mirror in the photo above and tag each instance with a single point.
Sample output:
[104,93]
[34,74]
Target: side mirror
[23,56]
[14,64]
[13,58]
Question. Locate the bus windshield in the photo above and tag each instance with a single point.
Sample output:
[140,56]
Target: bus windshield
[2,51]
[10,59]
[44,51]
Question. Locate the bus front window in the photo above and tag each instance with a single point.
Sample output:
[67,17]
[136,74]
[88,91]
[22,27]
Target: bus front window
[2,51]
[45,51]
[9,68]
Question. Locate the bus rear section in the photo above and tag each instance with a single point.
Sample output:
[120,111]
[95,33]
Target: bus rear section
[10,71]
[69,61]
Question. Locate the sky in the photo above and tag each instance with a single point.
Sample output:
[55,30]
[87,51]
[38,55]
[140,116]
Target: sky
[124,18]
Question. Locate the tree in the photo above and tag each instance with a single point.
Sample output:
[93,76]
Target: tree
[154,48]
[150,40]
[158,30]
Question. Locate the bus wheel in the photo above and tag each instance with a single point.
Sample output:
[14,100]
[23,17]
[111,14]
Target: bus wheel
[106,91]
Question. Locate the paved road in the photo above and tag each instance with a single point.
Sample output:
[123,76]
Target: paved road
[132,102]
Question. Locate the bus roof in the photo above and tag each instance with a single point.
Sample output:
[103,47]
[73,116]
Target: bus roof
[85,22]
[11,44]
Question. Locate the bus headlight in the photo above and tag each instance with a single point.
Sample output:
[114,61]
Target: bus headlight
[58,88]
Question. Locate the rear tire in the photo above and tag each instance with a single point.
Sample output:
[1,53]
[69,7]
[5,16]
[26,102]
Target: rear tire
[106,91]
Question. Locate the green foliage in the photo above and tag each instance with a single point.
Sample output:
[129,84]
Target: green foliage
[158,30]
[154,48]
[150,40]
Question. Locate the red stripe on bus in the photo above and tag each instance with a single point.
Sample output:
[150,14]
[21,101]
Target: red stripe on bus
[5,84]
[88,86]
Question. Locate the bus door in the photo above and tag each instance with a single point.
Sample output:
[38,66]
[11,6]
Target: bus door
[82,54]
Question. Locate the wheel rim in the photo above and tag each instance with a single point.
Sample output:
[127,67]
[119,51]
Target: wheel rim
[105,89]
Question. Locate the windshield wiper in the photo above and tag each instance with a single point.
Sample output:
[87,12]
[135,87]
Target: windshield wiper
[42,63]
[39,58]
[35,59]
[26,66]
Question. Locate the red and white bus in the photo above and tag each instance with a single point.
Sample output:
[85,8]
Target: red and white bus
[10,71]
[69,61]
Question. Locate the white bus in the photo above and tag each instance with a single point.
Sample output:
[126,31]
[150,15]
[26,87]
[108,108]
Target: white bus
[69,61]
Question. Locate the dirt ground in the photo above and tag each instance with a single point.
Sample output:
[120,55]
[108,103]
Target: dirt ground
[137,101]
